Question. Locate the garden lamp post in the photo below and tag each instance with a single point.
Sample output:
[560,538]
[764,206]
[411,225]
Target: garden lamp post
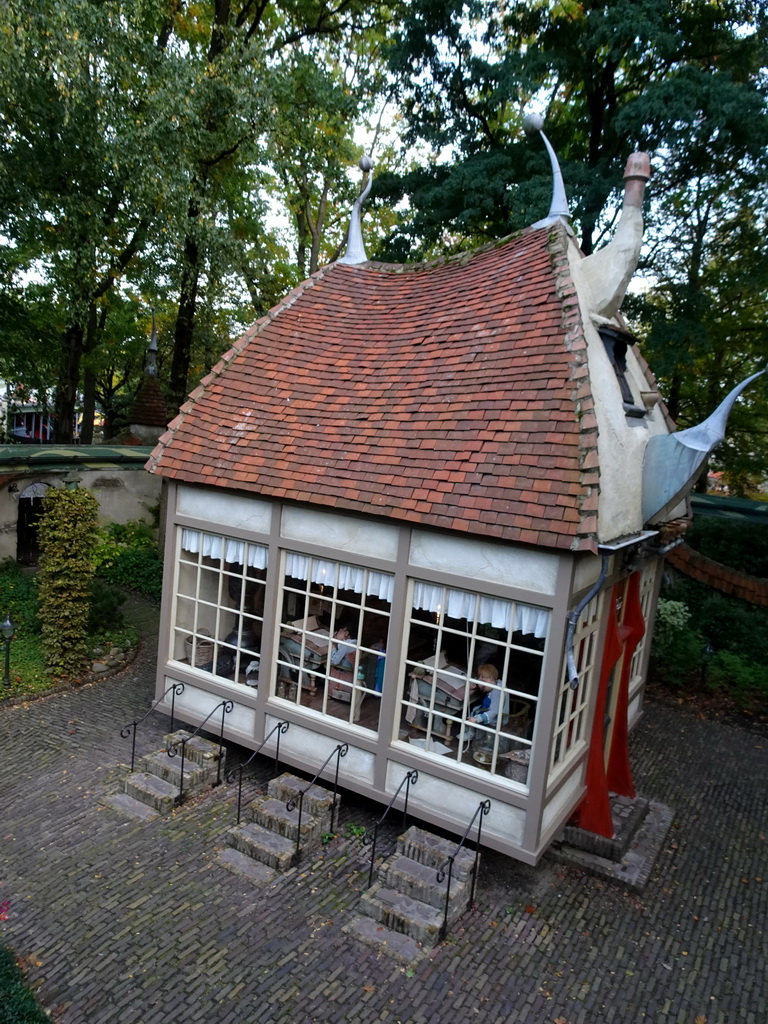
[7,629]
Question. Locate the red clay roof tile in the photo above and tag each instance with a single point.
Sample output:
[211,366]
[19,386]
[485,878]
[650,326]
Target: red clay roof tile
[453,394]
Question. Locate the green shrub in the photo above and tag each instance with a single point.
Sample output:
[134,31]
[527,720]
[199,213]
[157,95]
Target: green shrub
[735,675]
[677,650]
[137,569]
[105,607]
[725,623]
[17,1003]
[67,532]
[742,546]
[114,538]
[18,594]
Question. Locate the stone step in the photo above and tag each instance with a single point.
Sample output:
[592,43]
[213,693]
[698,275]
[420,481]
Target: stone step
[403,914]
[202,752]
[395,944]
[432,850]
[272,814]
[133,808]
[196,777]
[419,881]
[318,801]
[263,845]
[241,864]
[149,789]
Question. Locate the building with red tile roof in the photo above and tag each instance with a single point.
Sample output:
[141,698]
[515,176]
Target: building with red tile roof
[406,480]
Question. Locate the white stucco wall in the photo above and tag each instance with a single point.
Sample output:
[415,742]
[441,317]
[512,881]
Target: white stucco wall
[621,439]
[123,495]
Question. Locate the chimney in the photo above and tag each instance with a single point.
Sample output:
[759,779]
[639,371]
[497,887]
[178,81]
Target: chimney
[609,270]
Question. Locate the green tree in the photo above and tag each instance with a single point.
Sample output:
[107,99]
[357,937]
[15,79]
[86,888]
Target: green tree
[683,80]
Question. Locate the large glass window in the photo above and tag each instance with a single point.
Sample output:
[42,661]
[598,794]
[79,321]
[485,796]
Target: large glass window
[573,703]
[472,678]
[334,629]
[220,605]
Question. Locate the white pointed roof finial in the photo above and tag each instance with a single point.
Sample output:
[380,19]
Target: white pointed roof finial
[355,249]
[558,208]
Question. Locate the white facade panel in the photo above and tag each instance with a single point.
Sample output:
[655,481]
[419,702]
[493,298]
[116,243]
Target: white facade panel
[457,803]
[340,533]
[225,509]
[563,803]
[200,703]
[502,564]
[310,749]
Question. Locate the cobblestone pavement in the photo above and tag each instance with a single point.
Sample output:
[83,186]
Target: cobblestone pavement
[137,922]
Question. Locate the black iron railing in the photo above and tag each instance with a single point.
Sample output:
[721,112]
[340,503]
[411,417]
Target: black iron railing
[226,706]
[339,752]
[446,868]
[370,837]
[280,728]
[176,690]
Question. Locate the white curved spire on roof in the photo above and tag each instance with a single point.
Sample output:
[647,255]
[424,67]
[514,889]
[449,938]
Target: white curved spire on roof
[558,208]
[355,248]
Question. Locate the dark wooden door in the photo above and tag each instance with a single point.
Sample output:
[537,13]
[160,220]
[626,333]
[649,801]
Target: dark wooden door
[27,547]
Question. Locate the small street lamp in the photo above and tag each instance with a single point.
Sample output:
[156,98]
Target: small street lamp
[7,629]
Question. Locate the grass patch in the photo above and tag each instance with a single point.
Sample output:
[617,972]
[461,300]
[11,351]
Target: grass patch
[17,1004]
[28,675]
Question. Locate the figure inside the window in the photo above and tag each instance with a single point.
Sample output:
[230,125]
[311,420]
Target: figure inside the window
[486,710]
[343,648]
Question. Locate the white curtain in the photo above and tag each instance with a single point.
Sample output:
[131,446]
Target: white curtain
[494,611]
[212,545]
[345,577]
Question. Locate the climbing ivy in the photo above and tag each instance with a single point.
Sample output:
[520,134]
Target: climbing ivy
[67,533]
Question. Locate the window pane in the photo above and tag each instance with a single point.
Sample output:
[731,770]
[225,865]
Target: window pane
[334,628]
[472,678]
[219,606]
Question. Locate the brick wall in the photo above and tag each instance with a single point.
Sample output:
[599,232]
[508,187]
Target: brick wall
[721,577]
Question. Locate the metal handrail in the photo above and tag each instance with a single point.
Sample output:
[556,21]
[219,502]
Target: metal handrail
[410,779]
[280,728]
[176,689]
[340,751]
[226,706]
[482,809]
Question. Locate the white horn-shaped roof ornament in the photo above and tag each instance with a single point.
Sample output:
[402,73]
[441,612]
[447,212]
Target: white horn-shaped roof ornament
[558,208]
[355,249]
[672,461]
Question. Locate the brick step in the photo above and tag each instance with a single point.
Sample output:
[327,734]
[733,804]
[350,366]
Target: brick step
[202,752]
[196,777]
[385,940]
[272,813]
[318,801]
[432,850]
[419,881]
[128,805]
[402,913]
[263,845]
[152,791]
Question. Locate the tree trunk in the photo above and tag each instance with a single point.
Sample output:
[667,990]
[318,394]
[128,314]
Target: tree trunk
[185,325]
[72,347]
[89,405]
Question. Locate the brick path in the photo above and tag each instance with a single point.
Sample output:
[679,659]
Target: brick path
[137,923]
